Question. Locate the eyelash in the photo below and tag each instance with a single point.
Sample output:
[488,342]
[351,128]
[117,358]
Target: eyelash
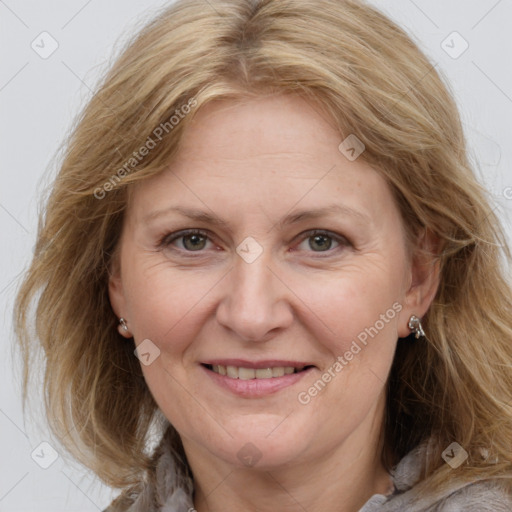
[168,238]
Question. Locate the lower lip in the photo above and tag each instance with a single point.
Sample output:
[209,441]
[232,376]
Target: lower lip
[256,387]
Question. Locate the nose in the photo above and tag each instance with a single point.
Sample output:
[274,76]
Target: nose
[255,303]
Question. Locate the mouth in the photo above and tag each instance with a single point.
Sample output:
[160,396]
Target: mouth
[261,372]
[249,379]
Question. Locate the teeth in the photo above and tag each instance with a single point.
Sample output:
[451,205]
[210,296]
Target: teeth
[235,372]
[232,371]
[263,373]
[246,373]
[278,371]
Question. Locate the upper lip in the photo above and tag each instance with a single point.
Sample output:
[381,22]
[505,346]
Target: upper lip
[267,363]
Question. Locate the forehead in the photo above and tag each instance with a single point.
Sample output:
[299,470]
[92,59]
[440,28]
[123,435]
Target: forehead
[260,126]
[266,153]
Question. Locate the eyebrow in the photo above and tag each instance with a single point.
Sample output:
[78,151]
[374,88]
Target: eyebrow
[292,218]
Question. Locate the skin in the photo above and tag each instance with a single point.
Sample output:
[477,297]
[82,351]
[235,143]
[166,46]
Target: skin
[251,163]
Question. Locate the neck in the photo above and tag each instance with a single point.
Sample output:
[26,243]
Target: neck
[341,478]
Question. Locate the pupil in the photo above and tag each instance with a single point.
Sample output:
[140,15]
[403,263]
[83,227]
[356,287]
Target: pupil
[323,242]
[196,240]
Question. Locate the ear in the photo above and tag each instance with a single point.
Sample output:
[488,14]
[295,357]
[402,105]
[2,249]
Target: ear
[116,294]
[424,280]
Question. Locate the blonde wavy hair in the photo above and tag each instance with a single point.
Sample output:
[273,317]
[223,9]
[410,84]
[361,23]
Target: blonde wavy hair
[370,77]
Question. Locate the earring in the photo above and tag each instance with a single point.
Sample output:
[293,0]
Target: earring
[415,326]
[122,323]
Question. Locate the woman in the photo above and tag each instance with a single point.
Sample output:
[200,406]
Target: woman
[272,204]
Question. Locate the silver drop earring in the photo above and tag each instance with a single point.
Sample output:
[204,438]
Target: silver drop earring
[122,322]
[415,326]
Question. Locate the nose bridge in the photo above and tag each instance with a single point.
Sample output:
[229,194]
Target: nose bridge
[253,303]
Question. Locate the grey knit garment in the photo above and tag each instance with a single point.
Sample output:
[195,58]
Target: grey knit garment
[483,496]
[172,492]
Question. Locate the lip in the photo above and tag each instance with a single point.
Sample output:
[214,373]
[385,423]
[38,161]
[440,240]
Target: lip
[255,388]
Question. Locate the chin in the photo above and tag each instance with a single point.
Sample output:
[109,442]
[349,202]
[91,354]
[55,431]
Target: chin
[264,447]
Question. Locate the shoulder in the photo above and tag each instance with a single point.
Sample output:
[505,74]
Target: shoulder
[483,496]
[478,496]
[168,488]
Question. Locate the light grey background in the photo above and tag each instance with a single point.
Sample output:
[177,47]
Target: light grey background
[40,97]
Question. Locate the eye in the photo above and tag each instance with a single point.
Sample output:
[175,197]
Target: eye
[322,241]
[196,240]
[191,240]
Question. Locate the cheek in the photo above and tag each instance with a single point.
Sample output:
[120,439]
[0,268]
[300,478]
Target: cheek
[359,310]
[362,301]
[166,307]
[164,301]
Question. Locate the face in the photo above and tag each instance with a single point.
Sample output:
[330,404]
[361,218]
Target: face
[262,250]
